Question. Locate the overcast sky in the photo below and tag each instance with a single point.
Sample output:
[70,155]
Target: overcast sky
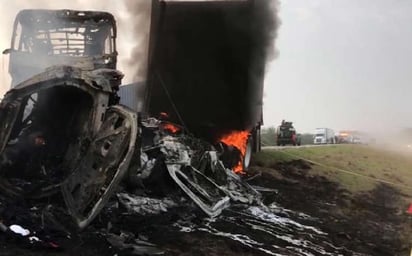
[343,64]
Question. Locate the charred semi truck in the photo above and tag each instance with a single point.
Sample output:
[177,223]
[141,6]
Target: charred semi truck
[65,140]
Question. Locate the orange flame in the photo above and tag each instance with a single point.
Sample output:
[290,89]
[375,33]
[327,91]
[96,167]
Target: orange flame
[170,127]
[237,139]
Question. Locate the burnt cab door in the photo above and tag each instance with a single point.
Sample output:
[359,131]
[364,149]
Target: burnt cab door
[104,165]
[8,115]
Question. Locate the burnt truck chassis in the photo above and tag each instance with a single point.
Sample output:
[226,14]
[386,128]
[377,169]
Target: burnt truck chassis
[63,141]
[67,146]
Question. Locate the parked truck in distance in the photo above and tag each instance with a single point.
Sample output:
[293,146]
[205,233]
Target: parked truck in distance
[286,134]
[324,136]
[354,137]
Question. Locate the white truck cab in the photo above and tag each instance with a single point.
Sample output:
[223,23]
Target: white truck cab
[324,136]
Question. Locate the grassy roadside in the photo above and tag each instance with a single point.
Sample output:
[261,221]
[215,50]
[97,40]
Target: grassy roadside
[368,199]
[363,160]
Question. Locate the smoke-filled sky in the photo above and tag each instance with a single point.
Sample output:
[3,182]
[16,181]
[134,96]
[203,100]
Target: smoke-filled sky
[341,64]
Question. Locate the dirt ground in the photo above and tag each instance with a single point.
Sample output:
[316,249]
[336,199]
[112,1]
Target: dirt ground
[372,223]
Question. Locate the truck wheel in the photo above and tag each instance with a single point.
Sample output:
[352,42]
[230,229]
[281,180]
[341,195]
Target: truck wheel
[248,153]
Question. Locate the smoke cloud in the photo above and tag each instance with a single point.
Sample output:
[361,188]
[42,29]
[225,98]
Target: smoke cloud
[212,57]
[140,14]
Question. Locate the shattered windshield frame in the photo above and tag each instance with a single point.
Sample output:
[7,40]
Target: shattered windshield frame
[44,38]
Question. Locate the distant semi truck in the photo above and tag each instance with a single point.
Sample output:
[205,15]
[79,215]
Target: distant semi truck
[286,134]
[354,137]
[324,136]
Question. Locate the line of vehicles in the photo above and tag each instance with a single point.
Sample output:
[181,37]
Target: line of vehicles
[286,135]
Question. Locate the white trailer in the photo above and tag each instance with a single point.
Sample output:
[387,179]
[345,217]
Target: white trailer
[324,136]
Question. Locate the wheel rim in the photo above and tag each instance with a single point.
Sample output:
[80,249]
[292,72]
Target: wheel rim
[248,154]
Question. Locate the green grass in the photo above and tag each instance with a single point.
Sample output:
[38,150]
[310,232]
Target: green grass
[268,158]
[367,161]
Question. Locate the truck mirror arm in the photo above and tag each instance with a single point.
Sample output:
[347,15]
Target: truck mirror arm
[6,51]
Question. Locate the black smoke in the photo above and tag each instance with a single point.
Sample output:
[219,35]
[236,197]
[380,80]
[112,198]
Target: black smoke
[207,62]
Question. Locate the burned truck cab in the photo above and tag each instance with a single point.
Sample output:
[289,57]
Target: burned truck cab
[62,131]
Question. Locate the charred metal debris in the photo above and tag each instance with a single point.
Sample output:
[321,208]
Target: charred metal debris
[69,150]
[67,147]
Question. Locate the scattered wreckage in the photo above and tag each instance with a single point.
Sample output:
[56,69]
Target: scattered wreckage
[67,146]
[59,134]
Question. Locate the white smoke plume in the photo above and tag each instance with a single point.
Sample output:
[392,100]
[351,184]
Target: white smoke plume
[140,13]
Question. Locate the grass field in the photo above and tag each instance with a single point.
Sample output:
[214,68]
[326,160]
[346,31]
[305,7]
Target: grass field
[356,167]
[359,169]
